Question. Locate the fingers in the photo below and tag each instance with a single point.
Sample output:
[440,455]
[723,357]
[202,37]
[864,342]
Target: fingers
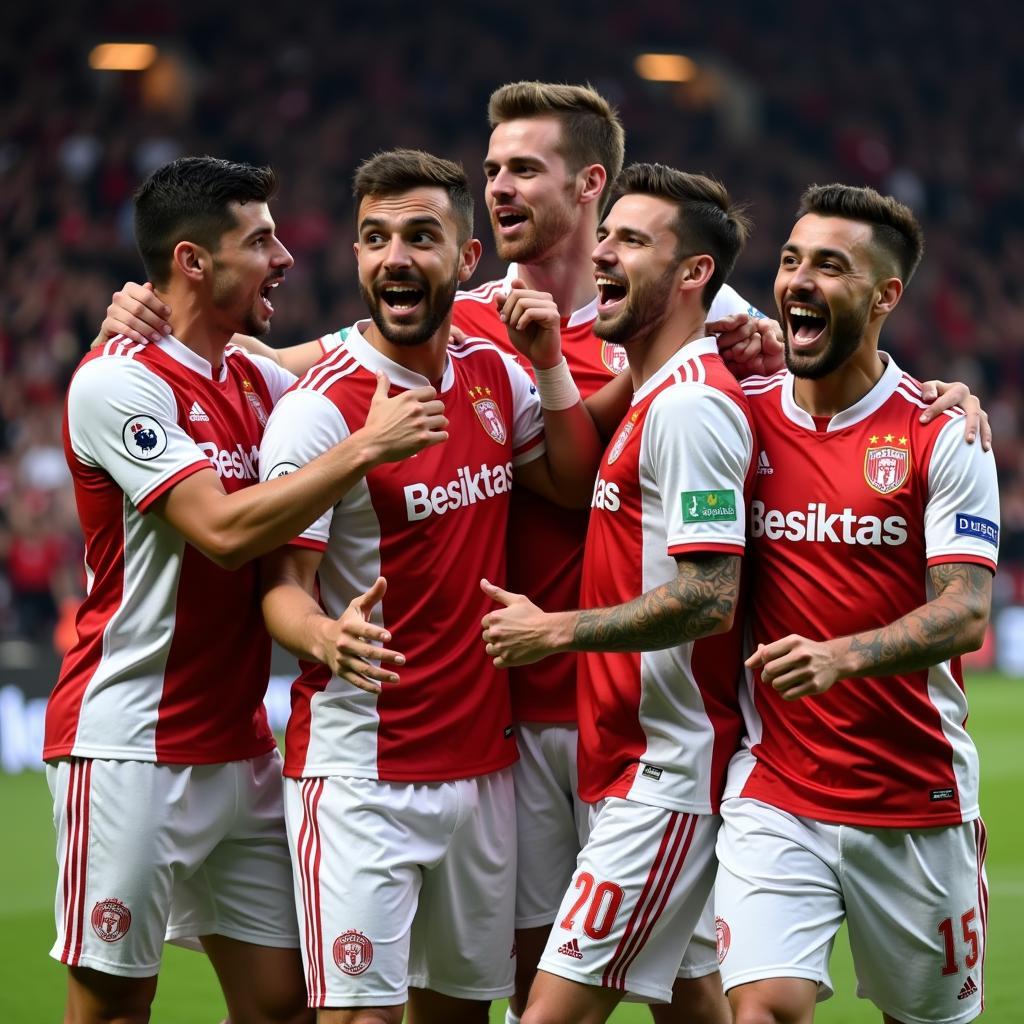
[137,312]
[383,385]
[725,324]
[456,336]
[497,594]
[369,599]
[520,309]
[943,396]
[986,432]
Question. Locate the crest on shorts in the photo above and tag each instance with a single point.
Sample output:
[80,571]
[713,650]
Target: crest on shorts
[620,441]
[723,938]
[614,357]
[255,402]
[886,466]
[353,952]
[110,919]
[488,413]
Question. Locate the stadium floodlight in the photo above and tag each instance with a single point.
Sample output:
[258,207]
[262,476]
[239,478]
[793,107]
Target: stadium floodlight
[122,56]
[665,67]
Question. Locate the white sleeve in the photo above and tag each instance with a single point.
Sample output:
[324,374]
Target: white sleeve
[962,514]
[303,425]
[123,418]
[729,301]
[527,416]
[697,450]
[278,379]
[329,342]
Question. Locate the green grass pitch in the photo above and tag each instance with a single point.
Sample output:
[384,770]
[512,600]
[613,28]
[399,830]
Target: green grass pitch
[188,994]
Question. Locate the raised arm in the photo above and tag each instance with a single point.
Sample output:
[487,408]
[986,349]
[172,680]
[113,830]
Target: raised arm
[700,601]
[565,473]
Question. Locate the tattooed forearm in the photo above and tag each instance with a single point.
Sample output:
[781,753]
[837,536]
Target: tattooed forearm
[952,623]
[698,602]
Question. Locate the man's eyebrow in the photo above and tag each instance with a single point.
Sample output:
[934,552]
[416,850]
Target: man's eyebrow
[264,229]
[425,219]
[819,253]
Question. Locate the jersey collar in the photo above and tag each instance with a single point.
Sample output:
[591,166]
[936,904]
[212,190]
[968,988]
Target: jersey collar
[181,353]
[399,375]
[870,403]
[584,315]
[689,353]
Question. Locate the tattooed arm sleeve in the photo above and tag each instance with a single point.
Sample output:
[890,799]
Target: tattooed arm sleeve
[952,623]
[700,601]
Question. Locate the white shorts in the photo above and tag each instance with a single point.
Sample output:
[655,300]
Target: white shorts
[641,884]
[552,821]
[153,851]
[915,903]
[404,884]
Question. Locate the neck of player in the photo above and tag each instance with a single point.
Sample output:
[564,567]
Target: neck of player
[197,326]
[566,271]
[844,386]
[649,353]
[427,358]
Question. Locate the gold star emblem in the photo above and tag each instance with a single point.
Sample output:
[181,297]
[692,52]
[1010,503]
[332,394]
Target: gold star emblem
[903,440]
[873,439]
[889,438]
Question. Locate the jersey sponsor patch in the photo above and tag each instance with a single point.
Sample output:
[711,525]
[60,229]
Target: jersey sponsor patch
[353,952]
[468,487]
[110,920]
[234,464]
[975,526]
[651,772]
[708,506]
[821,524]
[886,467]
[144,438]
[282,469]
[941,794]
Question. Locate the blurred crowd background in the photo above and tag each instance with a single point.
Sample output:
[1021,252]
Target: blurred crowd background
[920,99]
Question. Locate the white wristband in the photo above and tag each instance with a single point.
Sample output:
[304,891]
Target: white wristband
[556,387]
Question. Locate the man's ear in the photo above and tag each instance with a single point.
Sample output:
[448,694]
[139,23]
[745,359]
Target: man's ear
[889,292]
[469,257]
[191,260]
[590,182]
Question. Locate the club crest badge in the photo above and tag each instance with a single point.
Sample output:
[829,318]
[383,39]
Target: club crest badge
[255,402]
[110,920]
[353,952]
[614,357]
[723,938]
[488,413]
[887,466]
[620,441]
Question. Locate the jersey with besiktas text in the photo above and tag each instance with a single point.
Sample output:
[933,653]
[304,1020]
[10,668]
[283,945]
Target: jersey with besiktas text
[172,657]
[659,727]
[433,525]
[845,523]
[545,543]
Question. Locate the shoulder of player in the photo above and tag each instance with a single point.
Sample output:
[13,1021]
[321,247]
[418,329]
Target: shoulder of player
[906,397]
[694,401]
[483,294]
[117,365]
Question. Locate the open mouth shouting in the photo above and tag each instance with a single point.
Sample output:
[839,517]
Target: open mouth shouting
[268,287]
[806,323]
[401,297]
[611,292]
[506,219]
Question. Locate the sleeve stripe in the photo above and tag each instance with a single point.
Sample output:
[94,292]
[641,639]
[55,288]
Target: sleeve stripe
[171,481]
[716,547]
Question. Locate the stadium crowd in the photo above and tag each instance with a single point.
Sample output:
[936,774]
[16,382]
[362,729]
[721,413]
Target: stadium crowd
[314,91]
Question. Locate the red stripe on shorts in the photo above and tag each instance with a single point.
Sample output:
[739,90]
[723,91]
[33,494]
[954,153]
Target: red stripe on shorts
[75,858]
[614,973]
[981,841]
[309,870]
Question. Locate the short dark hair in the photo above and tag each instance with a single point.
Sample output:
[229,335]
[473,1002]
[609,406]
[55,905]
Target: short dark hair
[895,230]
[189,200]
[399,170]
[707,220]
[592,132]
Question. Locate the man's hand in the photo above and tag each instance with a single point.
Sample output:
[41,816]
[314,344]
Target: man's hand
[347,644]
[533,324]
[137,313]
[519,633]
[797,667]
[943,396]
[749,346]
[398,427]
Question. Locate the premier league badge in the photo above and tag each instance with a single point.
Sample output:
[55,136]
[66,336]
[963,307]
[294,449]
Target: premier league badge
[887,466]
[488,413]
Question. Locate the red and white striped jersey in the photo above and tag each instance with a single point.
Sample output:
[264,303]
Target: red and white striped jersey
[659,727]
[172,658]
[433,525]
[847,517]
[546,542]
